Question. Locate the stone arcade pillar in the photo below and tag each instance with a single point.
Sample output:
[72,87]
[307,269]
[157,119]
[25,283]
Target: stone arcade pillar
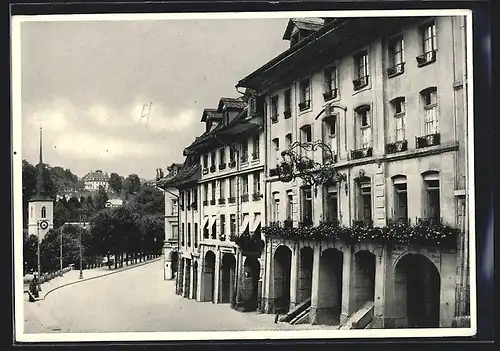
[217,277]
[192,281]
[199,291]
[347,276]
[268,279]
[383,313]
[294,273]
[315,284]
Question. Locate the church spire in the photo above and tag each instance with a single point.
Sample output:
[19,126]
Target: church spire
[40,182]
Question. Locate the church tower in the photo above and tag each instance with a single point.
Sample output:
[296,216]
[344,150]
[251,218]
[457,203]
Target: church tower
[41,206]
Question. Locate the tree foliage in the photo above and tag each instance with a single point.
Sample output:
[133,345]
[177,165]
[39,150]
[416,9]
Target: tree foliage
[115,182]
[132,184]
[100,199]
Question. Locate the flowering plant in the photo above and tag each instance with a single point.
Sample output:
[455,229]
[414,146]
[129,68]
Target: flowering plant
[424,233]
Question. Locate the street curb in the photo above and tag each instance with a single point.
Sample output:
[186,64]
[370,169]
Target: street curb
[100,276]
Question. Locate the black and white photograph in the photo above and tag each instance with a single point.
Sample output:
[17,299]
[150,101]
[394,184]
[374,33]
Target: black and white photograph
[271,175]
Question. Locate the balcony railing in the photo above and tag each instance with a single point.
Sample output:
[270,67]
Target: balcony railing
[231,200]
[205,202]
[398,146]
[426,58]
[329,95]
[427,140]
[257,196]
[274,118]
[361,153]
[306,220]
[255,156]
[288,223]
[205,170]
[212,202]
[212,169]
[244,198]
[331,222]
[361,82]
[304,105]
[232,164]
[222,166]
[287,114]
[396,70]
[222,201]
[362,223]
[244,158]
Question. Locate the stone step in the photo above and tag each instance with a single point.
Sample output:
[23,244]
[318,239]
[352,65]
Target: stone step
[361,318]
[296,311]
[302,318]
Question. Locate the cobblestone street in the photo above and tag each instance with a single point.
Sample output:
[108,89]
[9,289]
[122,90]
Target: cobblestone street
[137,300]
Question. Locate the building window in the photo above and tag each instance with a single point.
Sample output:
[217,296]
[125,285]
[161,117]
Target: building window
[232,190]
[289,205]
[307,206]
[174,207]
[244,184]
[365,202]
[44,212]
[205,228]
[196,235]
[222,227]
[195,199]
[305,94]
[396,56]
[429,44]
[232,157]
[331,203]
[330,136]
[232,224]
[276,151]
[222,190]
[288,103]
[205,161]
[181,200]
[182,235]
[364,121]
[175,232]
[189,235]
[212,161]
[256,185]
[256,147]
[275,207]
[288,141]
[306,134]
[188,199]
[361,70]
[31,212]
[205,194]
[222,156]
[398,111]
[433,204]
[244,151]
[274,108]
[400,198]
[431,120]
[214,189]
[330,83]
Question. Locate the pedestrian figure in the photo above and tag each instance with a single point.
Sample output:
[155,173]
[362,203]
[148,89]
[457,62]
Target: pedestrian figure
[278,312]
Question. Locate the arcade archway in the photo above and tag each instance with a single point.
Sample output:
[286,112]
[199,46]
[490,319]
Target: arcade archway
[282,272]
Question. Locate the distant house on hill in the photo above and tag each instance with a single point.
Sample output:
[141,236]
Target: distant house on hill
[94,179]
[114,203]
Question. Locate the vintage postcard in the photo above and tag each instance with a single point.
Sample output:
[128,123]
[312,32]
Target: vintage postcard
[275,175]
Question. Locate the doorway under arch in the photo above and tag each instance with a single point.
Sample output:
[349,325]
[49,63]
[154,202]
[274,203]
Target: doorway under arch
[417,289]
[251,273]
[305,274]
[195,279]
[209,277]
[227,278]
[187,280]
[282,272]
[363,288]
[174,259]
[329,303]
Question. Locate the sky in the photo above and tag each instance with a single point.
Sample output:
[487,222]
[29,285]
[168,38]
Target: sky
[86,83]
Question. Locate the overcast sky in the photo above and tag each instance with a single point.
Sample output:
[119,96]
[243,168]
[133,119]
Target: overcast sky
[88,81]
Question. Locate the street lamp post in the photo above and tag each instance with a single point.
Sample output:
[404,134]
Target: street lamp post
[38,254]
[61,253]
[80,239]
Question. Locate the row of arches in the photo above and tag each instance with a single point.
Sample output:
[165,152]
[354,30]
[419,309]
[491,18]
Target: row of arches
[416,285]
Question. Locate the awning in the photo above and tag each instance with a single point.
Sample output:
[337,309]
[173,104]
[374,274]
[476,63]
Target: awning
[255,223]
[205,222]
[245,224]
[212,221]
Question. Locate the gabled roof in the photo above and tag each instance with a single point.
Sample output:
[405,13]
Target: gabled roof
[187,174]
[235,103]
[210,113]
[306,23]
[97,175]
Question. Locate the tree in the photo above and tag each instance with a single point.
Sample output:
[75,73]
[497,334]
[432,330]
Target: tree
[149,200]
[132,184]
[29,187]
[115,182]
[88,206]
[100,199]
[75,209]
[61,213]
[30,251]
[153,231]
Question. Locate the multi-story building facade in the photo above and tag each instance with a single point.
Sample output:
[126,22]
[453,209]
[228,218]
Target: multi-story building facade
[94,179]
[388,98]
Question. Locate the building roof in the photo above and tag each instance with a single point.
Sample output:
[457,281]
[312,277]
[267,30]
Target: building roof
[95,175]
[337,38]
[306,23]
[233,103]
[210,113]
[115,201]
[187,174]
